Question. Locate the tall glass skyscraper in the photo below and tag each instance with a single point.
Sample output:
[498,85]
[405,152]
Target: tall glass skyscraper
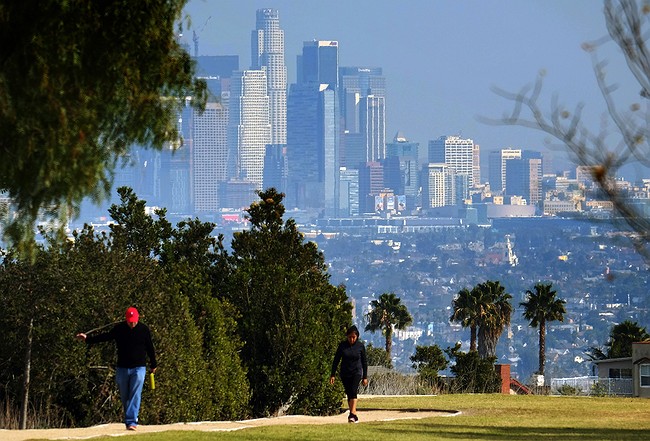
[313,130]
[497,168]
[407,152]
[267,53]
[363,109]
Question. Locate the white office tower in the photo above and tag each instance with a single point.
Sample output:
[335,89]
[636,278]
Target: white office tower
[476,174]
[249,127]
[438,181]
[209,156]
[497,167]
[457,153]
[372,115]
[267,46]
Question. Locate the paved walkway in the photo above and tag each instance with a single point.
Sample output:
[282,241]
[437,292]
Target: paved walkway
[116,429]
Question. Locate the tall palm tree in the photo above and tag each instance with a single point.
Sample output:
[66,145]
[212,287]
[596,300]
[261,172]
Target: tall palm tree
[386,313]
[540,307]
[494,311]
[466,313]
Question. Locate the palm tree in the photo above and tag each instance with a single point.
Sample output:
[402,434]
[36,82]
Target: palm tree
[387,313]
[621,338]
[540,307]
[466,313]
[494,311]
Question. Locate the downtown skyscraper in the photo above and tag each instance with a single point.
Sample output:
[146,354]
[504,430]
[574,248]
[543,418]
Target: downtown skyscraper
[313,130]
[249,127]
[363,110]
[267,53]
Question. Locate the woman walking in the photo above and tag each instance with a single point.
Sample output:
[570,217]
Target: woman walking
[351,353]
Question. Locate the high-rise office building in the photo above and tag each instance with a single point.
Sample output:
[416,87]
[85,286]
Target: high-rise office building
[407,152]
[524,177]
[209,156]
[313,130]
[319,63]
[393,178]
[371,184]
[349,201]
[363,111]
[372,122]
[275,167]
[249,126]
[497,167]
[457,153]
[175,168]
[438,183]
[476,168]
[267,53]
[216,70]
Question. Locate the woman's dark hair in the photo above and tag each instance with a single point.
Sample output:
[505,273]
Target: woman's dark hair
[352,330]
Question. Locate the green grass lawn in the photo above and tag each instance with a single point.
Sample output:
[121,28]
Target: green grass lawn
[491,417]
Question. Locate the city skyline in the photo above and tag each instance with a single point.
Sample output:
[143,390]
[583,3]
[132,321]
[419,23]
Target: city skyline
[440,59]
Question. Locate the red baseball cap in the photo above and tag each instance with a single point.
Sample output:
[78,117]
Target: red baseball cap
[132,315]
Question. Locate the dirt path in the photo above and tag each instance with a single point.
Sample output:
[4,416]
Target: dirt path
[118,429]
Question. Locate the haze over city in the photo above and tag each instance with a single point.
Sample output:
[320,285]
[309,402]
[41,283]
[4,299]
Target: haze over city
[440,59]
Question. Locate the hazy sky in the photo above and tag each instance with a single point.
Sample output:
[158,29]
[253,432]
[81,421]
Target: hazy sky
[440,58]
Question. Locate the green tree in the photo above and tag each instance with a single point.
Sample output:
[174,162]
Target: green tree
[377,357]
[540,307]
[473,373]
[291,316]
[386,313]
[621,338]
[103,76]
[466,312]
[185,254]
[428,361]
[83,284]
[495,312]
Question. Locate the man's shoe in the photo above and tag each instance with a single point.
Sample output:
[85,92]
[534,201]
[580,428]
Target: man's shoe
[132,428]
[352,418]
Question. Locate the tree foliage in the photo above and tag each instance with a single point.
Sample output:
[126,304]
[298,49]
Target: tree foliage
[495,311]
[466,312]
[486,310]
[473,373]
[386,313]
[428,361]
[377,357]
[291,317]
[621,338]
[540,307]
[82,285]
[80,83]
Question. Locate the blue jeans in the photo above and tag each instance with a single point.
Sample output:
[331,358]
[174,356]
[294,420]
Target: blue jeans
[130,382]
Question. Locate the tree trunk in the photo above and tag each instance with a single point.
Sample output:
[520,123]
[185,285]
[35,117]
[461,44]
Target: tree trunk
[389,342]
[542,346]
[26,377]
[487,343]
[472,338]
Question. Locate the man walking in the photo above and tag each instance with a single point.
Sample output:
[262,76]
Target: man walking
[133,341]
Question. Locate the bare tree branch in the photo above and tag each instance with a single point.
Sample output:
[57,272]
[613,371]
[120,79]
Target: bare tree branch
[626,140]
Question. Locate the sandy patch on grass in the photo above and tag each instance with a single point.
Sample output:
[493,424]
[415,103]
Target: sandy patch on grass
[118,429]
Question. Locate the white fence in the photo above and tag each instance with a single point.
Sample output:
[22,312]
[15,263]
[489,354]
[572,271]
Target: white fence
[592,386]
